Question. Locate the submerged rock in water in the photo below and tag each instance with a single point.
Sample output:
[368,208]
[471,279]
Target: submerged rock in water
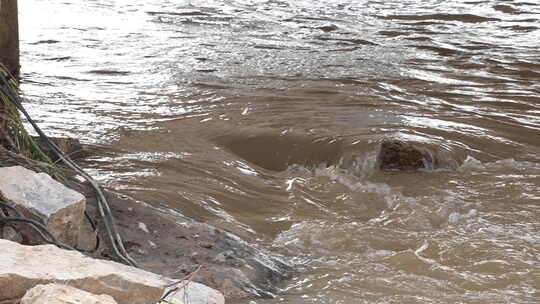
[397,155]
[242,265]
[69,146]
[328,28]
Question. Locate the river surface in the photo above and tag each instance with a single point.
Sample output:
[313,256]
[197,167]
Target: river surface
[264,118]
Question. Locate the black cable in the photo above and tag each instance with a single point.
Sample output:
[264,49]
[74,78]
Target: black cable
[92,223]
[7,206]
[40,228]
[103,206]
[94,227]
[43,232]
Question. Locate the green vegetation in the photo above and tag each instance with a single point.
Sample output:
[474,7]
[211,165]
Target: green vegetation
[14,137]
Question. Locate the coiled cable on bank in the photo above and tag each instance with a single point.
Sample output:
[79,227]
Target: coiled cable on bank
[103,206]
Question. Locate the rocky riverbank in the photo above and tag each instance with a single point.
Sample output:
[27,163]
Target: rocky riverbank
[168,245]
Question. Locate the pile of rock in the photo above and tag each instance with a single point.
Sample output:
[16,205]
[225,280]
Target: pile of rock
[24,269]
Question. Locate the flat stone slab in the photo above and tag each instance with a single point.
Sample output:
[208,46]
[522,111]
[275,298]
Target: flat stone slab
[38,196]
[23,267]
[63,294]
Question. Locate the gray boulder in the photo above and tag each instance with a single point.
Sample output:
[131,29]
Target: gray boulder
[38,196]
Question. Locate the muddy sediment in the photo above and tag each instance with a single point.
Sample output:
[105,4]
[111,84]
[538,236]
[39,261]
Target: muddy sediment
[167,243]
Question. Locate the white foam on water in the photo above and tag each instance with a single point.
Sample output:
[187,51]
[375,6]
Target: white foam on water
[456,217]
[388,205]
[471,164]
[358,184]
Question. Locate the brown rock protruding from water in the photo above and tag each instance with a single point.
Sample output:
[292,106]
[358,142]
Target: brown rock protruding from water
[397,155]
[69,146]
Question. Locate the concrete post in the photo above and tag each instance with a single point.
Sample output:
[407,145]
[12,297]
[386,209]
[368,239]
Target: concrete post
[9,35]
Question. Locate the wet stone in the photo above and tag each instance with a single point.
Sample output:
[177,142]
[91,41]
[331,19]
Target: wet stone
[397,155]
[68,146]
[328,28]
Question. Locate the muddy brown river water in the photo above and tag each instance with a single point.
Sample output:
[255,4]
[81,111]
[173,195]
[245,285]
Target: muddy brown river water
[264,118]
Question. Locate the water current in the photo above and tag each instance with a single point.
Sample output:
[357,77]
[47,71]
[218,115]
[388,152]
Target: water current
[263,117]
